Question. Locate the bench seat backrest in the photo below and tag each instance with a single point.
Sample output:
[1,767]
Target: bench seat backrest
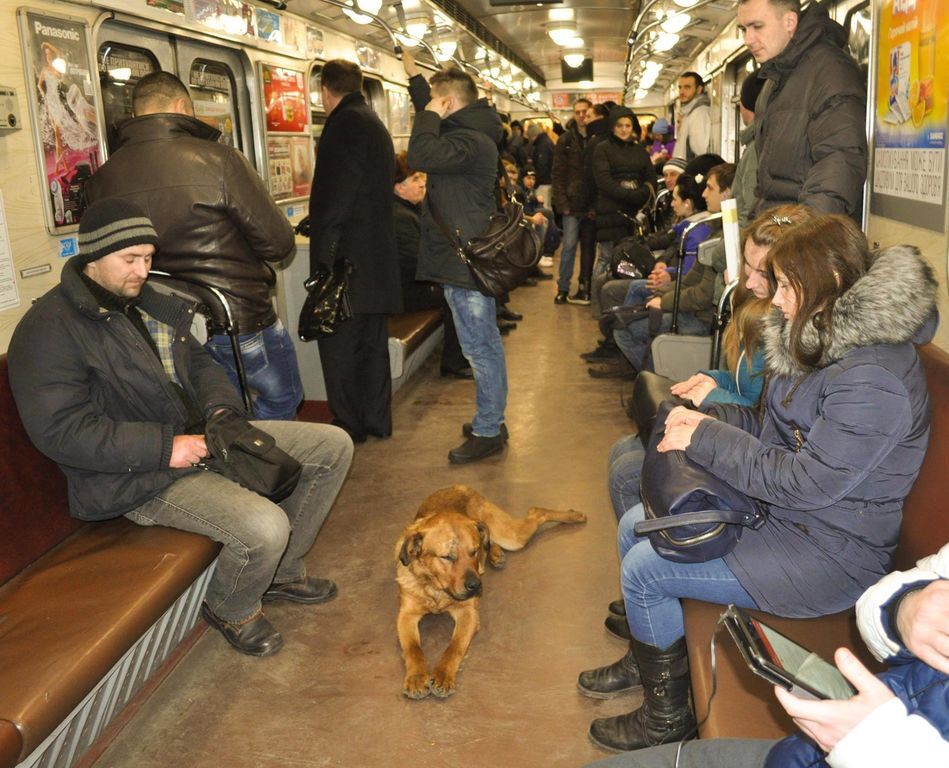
[34,510]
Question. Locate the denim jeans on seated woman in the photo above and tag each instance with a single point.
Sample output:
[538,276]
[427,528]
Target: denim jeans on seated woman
[270,363]
[625,467]
[634,341]
[652,586]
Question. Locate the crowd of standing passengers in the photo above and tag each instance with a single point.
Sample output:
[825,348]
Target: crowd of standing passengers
[820,411]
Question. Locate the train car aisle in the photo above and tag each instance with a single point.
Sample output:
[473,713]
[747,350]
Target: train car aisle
[332,696]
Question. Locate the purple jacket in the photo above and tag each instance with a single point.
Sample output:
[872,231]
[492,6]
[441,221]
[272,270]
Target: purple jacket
[836,449]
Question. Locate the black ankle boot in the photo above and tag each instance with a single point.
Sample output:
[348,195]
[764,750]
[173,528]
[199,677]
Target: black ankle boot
[666,714]
[614,680]
[618,607]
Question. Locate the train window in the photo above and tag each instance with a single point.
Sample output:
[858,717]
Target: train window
[316,96]
[858,24]
[375,97]
[120,68]
[212,90]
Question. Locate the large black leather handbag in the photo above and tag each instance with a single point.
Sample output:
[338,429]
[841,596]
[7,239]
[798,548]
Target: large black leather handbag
[327,301]
[691,515]
[249,456]
[650,390]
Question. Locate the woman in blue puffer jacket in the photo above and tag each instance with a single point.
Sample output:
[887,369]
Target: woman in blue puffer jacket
[832,455]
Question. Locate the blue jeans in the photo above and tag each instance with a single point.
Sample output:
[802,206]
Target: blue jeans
[270,363]
[601,276]
[263,542]
[652,586]
[568,252]
[625,464]
[475,318]
[635,339]
[637,293]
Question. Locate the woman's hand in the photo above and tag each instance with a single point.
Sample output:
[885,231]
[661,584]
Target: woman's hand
[695,388]
[827,722]
[681,424]
[923,622]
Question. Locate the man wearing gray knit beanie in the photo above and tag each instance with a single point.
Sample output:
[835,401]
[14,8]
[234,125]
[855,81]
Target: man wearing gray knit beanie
[112,386]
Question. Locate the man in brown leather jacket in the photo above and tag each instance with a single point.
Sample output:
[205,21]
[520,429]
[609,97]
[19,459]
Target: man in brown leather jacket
[216,223]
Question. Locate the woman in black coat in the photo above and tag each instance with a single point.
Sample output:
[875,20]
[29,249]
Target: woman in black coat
[409,191]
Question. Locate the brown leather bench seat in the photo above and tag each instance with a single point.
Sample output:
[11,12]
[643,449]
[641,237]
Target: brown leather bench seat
[75,597]
[412,328]
[744,705]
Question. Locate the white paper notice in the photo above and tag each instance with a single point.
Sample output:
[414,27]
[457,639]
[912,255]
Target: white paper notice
[732,236]
[9,296]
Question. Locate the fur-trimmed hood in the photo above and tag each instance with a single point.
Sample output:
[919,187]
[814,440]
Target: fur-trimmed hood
[894,302]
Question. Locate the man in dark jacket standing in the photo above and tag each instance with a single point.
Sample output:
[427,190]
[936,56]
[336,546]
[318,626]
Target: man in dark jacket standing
[454,140]
[567,193]
[216,223]
[111,386]
[810,117]
[351,218]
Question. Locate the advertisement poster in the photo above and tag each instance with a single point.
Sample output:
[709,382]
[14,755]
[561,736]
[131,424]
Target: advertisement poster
[285,99]
[910,113]
[397,105]
[64,113]
[231,16]
[289,166]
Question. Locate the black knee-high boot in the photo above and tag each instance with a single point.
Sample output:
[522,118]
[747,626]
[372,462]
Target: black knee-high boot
[612,680]
[666,714]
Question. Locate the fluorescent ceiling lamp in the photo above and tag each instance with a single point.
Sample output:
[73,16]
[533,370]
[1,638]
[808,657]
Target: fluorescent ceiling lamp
[685,3]
[527,84]
[481,53]
[562,33]
[676,22]
[445,49]
[574,60]
[560,14]
[417,28]
[585,84]
[647,81]
[640,94]
[406,40]
[370,6]
[664,42]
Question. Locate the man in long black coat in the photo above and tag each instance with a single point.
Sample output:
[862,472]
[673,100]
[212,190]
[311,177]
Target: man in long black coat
[351,218]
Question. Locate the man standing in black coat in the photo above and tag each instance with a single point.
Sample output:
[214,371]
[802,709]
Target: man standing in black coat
[351,218]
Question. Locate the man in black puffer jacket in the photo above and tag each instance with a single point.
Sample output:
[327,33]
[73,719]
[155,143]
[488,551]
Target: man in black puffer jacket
[810,116]
[454,140]
[216,223]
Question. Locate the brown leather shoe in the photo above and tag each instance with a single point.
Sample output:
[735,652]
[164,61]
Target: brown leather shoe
[311,590]
[255,637]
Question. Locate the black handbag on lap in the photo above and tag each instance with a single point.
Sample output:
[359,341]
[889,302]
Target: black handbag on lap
[691,515]
[327,301]
[650,390]
[249,456]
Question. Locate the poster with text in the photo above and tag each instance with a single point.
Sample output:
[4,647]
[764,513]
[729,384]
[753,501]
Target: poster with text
[289,166]
[63,105]
[285,99]
[910,112]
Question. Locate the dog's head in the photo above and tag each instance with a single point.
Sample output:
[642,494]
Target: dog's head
[446,551]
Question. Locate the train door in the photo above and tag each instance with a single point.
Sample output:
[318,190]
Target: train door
[215,76]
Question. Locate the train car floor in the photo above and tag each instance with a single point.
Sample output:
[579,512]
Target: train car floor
[332,696]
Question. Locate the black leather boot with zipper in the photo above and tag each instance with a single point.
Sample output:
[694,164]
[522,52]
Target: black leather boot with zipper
[666,713]
[612,680]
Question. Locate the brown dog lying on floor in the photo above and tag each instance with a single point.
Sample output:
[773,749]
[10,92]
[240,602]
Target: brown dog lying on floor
[441,557]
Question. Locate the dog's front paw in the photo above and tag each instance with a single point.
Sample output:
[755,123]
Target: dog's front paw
[417,686]
[443,684]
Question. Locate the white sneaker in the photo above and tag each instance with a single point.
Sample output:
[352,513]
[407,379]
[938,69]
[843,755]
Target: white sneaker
[546,261]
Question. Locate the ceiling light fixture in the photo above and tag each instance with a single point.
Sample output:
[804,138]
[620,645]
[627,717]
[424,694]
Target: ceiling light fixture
[665,41]
[574,60]
[675,23]
[369,6]
[685,3]
[562,32]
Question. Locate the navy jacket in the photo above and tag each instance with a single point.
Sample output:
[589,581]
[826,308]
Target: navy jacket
[836,449]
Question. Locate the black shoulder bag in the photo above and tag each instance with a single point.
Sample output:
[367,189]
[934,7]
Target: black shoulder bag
[691,515]
[502,256]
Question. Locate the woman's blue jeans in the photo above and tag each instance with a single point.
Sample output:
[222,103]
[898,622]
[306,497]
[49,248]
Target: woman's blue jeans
[652,586]
[475,318]
[625,467]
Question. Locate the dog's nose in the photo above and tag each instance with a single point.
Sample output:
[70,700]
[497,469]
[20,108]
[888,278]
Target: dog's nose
[472,583]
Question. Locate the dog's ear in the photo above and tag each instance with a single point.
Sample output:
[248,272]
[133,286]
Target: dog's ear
[485,536]
[411,548]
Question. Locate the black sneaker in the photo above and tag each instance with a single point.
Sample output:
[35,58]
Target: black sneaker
[467,430]
[603,353]
[476,448]
[618,369]
[561,297]
[582,297]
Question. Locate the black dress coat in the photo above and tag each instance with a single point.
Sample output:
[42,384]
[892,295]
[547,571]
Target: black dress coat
[351,205]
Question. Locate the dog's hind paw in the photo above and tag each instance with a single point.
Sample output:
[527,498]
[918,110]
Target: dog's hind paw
[442,687]
[417,686]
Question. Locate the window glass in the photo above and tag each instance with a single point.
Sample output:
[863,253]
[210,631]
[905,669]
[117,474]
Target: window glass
[212,90]
[120,68]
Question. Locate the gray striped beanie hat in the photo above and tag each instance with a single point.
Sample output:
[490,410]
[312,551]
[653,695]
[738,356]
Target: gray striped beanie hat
[111,224]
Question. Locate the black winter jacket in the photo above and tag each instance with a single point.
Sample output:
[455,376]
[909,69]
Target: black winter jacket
[567,174]
[95,398]
[810,118]
[351,205]
[215,219]
[597,132]
[460,156]
[541,156]
[615,163]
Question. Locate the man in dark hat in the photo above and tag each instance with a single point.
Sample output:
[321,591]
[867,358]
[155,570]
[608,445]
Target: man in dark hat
[746,174]
[111,386]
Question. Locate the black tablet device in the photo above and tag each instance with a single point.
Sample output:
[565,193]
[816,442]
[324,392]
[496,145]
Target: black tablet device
[783,662]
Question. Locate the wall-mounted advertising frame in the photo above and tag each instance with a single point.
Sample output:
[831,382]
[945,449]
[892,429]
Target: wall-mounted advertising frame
[57,62]
[910,112]
[288,144]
